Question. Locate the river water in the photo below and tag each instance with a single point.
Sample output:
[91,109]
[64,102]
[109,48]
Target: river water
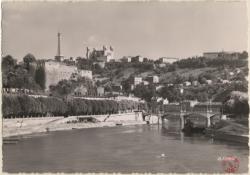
[125,149]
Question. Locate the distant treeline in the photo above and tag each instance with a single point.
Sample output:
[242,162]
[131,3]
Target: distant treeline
[27,106]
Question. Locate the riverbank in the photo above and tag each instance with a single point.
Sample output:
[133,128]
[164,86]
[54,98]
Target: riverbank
[229,131]
[23,126]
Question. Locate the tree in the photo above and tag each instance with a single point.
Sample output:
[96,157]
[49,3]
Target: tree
[40,77]
[8,63]
[29,58]
[191,78]
[237,103]
[144,92]
[243,55]
[171,93]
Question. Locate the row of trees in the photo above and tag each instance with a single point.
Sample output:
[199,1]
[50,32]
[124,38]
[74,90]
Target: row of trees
[23,105]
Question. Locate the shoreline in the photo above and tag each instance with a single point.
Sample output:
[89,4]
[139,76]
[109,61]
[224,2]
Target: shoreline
[20,127]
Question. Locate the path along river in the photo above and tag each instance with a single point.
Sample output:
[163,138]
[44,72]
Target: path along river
[125,149]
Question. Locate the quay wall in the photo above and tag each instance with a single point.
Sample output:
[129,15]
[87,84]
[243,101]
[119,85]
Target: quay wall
[22,126]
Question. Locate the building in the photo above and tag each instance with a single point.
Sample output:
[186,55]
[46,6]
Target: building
[145,83]
[195,83]
[165,101]
[100,91]
[228,55]
[85,73]
[187,83]
[126,59]
[81,91]
[211,55]
[161,65]
[132,87]
[159,87]
[169,60]
[209,81]
[137,80]
[153,79]
[137,59]
[104,55]
[130,98]
[57,71]
[100,63]
[116,88]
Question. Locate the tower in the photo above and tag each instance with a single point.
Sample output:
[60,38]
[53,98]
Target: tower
[58,57]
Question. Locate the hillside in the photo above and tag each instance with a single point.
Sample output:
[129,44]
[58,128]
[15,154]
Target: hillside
[117,74]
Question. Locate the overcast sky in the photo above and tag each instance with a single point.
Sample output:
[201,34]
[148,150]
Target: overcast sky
[150,29]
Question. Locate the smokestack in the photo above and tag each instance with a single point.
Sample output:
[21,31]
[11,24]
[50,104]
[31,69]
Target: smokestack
[58,44]
[58,56]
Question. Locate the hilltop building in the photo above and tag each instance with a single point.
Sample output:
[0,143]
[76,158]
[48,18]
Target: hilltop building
[222,54]
[104,55]
[126,59]
[137,59]
[168,60]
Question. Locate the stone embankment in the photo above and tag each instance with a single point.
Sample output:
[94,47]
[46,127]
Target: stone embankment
[22,126]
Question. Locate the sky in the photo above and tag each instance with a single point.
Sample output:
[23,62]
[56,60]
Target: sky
[149,29]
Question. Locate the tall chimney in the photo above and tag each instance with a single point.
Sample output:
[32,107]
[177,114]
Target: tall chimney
[58,44]
[58,56]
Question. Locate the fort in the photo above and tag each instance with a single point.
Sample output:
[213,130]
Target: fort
[57,71]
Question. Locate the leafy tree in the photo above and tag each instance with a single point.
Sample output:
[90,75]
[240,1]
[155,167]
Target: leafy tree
[171,93]
[8,63]
[144,92]
[237,103]
[40,77]
[244,55]
[29,58]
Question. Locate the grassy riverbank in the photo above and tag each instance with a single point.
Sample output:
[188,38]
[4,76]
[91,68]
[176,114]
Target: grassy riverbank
[22,126]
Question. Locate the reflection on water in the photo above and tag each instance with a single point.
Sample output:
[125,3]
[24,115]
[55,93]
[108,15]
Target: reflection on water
[126,149]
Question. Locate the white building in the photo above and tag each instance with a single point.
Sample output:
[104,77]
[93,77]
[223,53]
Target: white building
[209,81]
[145,83]
[137,80]
[187,83]
[85,73]
[165,101]
[168,60]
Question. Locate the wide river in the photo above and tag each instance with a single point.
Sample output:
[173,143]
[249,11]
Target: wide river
[125,149]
